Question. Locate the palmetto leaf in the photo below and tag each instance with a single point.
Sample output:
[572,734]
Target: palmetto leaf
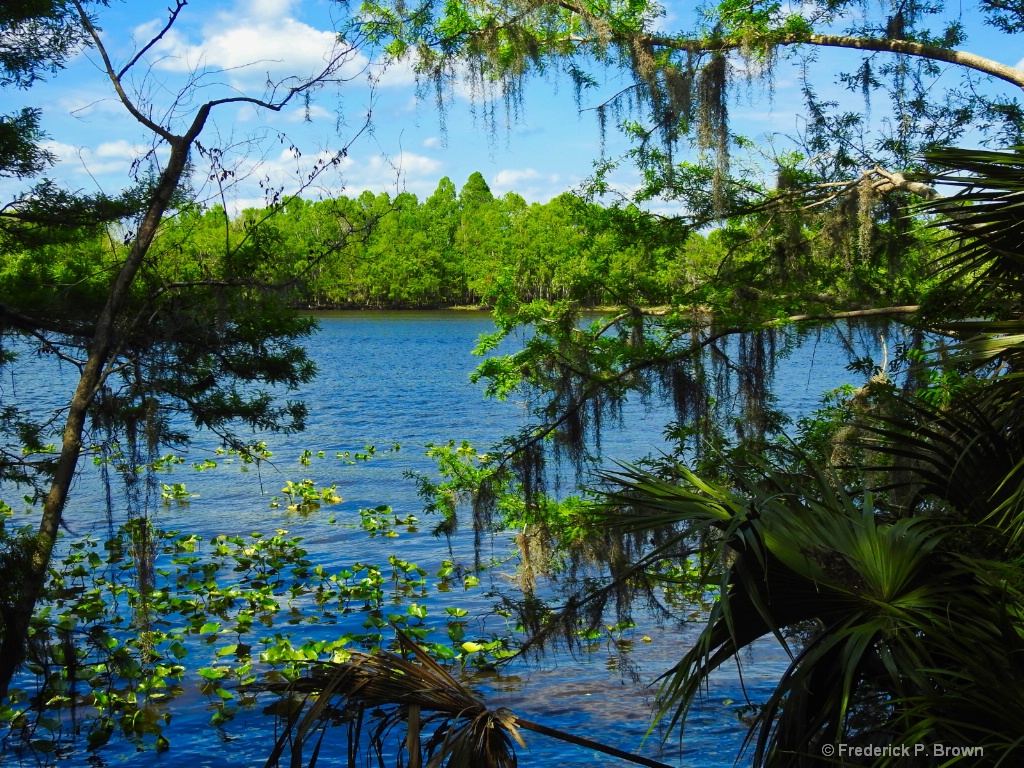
[987,216]
[968,454]
[894,610]
[961,453]
[469,733]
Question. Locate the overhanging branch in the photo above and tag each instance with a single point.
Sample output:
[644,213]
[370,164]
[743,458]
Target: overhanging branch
[964,59]
[769,39]
[594,389]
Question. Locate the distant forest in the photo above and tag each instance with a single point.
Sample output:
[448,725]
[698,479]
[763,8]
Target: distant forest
[456,248]
[469,248]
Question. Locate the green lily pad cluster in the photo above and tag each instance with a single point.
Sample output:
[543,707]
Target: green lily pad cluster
[134,622]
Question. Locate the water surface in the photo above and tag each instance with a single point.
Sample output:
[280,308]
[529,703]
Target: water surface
[402,378]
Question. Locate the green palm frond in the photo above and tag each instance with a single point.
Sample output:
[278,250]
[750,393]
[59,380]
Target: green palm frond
[978,697]
[994,348]
[969,453]
[966,456]
[986,263]
[962,452]
[986,216]
[894,612]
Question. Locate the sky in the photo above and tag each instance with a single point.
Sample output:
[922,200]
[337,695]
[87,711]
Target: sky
[236,46]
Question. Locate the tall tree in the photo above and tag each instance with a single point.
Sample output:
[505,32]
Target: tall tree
[143,340]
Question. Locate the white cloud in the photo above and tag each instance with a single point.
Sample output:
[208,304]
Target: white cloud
[312,113]
[407,172]
[400,74]
[90,103]
[530,183]
[433,142]
[508,178]
[108,158]
[271,8]
[256,39]
[238,204]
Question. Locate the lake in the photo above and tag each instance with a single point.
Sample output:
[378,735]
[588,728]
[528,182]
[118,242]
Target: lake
[398,381]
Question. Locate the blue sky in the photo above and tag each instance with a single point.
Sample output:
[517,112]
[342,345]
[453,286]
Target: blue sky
[547,148]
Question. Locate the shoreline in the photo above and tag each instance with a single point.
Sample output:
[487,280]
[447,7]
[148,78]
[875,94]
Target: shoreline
[602,308]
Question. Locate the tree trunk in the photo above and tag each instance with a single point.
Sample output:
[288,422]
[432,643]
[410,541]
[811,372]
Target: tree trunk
[101,349]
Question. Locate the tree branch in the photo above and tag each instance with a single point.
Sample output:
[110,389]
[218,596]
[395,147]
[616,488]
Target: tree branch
[695,45]
[897,181]
[965,59]
[115,78]
[907,309]
[14,317]
[142,51]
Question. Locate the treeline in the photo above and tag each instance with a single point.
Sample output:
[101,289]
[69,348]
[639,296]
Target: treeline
[456,247]
[468,247]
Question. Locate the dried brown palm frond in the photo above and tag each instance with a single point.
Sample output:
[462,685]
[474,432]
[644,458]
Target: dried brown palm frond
[411,688]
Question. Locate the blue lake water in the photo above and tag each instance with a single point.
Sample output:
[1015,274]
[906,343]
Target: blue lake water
[403,377]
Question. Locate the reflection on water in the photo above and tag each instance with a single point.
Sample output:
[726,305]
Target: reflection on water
[391,377]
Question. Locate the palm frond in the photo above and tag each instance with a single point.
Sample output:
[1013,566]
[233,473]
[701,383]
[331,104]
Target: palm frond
[986,263]
[894,613]
[968,454]
[468,733]
[415,690]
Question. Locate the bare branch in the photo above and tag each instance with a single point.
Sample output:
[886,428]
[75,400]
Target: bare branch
[28,324]
[908,309]
[898,181]
[115,79]
[277,105]
[142,51]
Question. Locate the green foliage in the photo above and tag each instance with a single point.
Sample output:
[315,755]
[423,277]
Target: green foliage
[469,248]
[383,521]
[483,483]
[905,619]
[176,492]
[304,496]
[36,37]
[20,154]
[465,476]
[230,617]
[1007,16]
[893,556]
[451,249]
